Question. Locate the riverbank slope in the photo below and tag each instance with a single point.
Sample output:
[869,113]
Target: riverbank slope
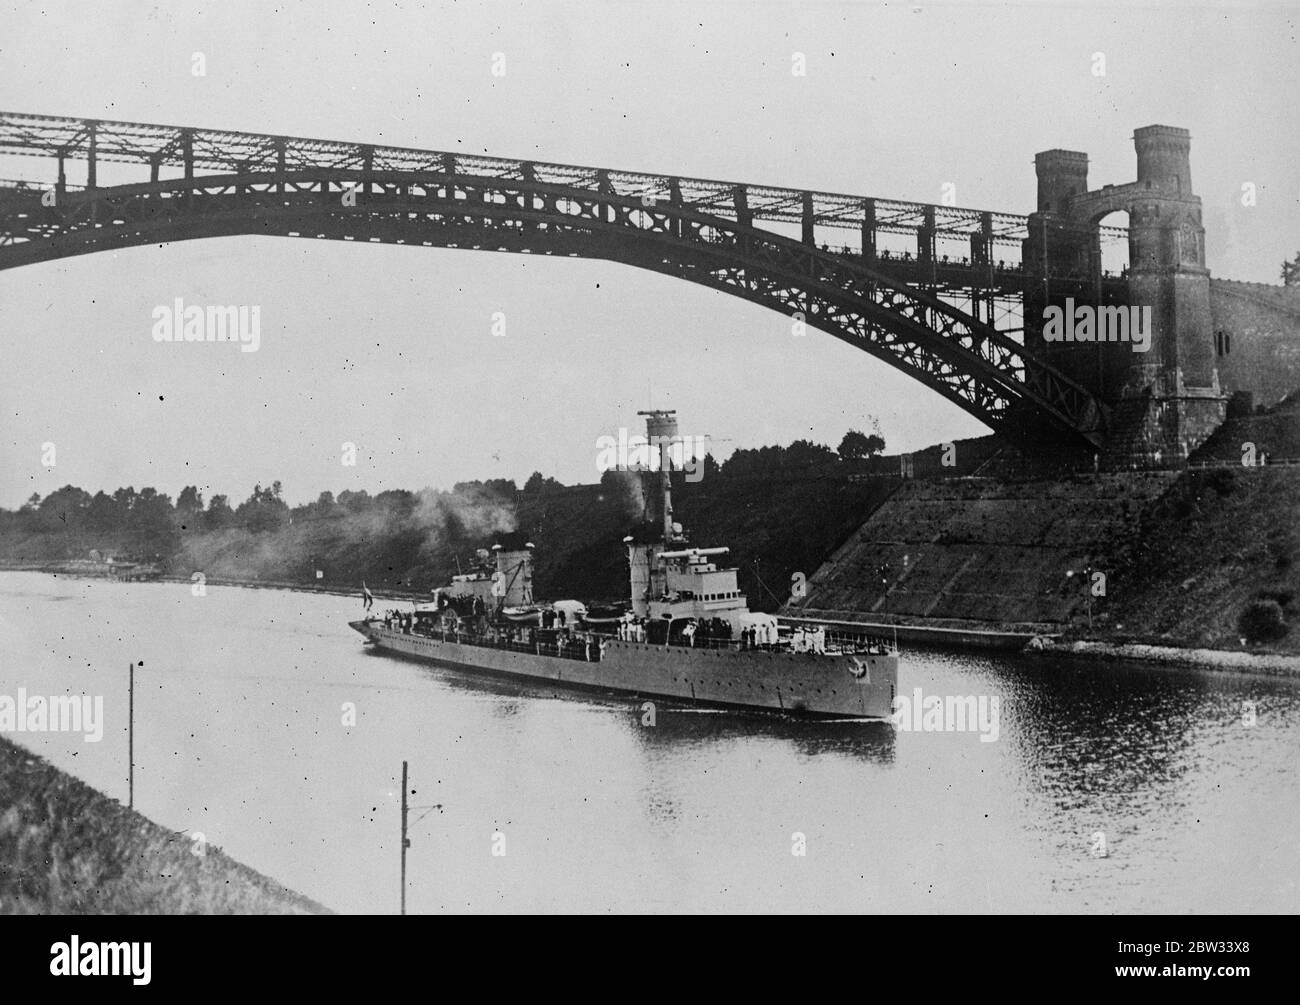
[67,849]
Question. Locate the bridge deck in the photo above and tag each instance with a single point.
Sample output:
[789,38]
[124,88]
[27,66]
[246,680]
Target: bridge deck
[188,150]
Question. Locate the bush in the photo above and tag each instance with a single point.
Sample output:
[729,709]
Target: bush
[1262,621]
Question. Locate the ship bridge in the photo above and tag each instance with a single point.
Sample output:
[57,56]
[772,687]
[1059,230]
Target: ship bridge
[690,576]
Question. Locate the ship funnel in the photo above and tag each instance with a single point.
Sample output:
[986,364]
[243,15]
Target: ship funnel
[513,584]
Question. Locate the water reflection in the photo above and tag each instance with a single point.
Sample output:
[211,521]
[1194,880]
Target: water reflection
[674,726]
[1087,730]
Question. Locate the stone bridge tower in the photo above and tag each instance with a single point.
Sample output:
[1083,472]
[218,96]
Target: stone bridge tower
[1166,401]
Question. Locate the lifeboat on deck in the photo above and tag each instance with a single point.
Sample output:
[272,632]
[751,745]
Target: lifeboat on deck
[605,614]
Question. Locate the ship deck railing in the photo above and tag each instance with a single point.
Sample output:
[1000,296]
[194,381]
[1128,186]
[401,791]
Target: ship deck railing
[835,643]
[589,650]
[583,652]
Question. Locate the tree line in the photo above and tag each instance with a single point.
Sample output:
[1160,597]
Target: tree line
[149,523]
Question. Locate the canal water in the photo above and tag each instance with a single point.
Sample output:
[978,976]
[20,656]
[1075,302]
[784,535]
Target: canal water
[1108,788]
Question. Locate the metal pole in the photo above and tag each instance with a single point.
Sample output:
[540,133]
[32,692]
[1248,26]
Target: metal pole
[405,842]
[130,737]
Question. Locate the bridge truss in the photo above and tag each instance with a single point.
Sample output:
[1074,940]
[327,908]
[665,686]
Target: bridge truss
[949,320]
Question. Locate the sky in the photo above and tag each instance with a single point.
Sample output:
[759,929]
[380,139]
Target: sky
[391,348]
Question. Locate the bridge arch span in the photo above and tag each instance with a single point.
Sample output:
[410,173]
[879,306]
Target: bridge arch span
[979,368]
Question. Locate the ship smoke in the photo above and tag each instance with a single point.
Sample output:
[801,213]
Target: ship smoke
[473,511]
[391,538]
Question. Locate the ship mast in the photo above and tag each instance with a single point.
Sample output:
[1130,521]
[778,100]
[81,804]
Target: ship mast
[661,431]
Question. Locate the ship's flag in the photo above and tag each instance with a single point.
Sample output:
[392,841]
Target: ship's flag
[366,595]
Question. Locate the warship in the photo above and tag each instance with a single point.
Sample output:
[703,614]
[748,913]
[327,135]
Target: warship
[686,632]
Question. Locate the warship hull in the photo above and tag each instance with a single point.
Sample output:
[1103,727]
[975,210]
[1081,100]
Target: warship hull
[858,685]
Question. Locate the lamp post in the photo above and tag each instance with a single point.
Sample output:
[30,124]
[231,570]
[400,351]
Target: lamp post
[406,841]
[130,737]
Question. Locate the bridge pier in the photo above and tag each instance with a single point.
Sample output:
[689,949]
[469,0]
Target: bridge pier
[1165,387]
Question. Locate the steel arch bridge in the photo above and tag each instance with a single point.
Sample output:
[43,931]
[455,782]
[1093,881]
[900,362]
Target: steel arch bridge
[899,308]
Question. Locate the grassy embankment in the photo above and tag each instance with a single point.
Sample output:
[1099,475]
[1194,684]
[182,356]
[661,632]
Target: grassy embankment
[67,849]
[1215,543]
[1218,542]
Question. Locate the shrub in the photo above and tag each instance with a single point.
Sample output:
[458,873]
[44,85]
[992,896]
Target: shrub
[1262,621]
